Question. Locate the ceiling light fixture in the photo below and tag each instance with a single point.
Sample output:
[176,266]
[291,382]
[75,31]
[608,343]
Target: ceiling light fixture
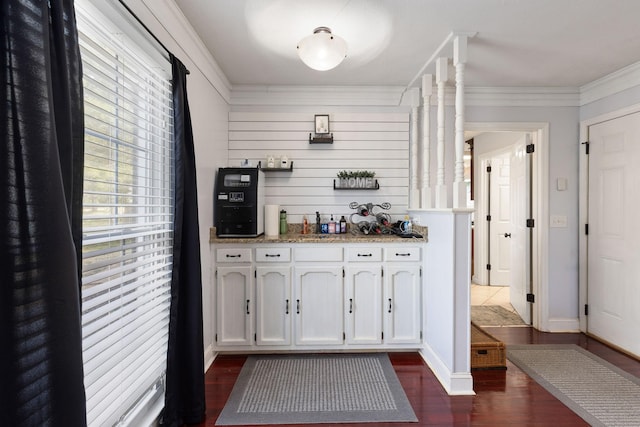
[322,50]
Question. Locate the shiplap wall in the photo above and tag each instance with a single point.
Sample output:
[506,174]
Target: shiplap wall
[362,141]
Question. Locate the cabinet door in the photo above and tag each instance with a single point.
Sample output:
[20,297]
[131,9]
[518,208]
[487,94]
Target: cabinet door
[363,298]
[402,300]
[318,305]
[233,305]
[273,305]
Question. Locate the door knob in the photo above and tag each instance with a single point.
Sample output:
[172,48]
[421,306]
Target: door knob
[507,234]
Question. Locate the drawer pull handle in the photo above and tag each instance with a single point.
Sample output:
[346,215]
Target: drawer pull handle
[404,254]
[389,305]
[367,255]
[272,256]
[297,306]
[248,307]
[350,305]
[233,256]
[286,307]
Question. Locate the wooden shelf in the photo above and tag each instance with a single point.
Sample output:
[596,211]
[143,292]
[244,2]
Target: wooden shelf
[289,169]
[321,139]
[375,187]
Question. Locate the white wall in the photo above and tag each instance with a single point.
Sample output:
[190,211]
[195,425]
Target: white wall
[208,92]
[371,141]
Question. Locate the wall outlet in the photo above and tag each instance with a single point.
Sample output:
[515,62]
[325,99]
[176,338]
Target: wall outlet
[558,221]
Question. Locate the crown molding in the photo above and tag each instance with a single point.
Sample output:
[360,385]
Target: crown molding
[319,95]
[184,38]
[618,81]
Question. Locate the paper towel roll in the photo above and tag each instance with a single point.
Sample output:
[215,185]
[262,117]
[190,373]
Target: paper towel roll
[271,220]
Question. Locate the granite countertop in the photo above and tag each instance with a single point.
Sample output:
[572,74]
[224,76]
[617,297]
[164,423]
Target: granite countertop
[294,235]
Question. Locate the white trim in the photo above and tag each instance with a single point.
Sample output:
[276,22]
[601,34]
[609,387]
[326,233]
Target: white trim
[583,208]
[257,95]
[522,96]
[454,383]
[541,211]
[560,324]
[622,79]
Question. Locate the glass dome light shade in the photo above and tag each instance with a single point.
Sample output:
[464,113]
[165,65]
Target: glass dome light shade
[322,50]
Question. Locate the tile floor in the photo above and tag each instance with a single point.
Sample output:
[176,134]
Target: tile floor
[490,295]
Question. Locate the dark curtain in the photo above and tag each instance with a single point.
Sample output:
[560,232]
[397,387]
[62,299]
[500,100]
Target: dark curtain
[41,169]
[184,398]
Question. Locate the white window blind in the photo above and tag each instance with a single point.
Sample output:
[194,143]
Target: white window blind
[128,215]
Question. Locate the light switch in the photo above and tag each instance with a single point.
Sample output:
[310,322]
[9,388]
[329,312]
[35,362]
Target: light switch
[561,184]
[558,221]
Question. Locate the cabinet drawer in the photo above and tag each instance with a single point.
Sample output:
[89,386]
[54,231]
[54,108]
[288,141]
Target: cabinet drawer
[364,254]
[402,254]
[273,254]
[324,253]
[233,255]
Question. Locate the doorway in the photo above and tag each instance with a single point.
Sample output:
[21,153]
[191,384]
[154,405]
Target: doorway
[506,242]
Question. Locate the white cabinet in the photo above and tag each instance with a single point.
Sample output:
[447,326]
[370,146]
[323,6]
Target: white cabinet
[234,297]
[273,297]
[402,296]
[363,296]
[318,294]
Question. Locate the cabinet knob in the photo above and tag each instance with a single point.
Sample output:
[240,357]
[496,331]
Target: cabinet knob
[367,255]
[389,305]
[233,256]
[350,305]
[286,307]
[297,306]
[248,307]
[272,255]
[403,254]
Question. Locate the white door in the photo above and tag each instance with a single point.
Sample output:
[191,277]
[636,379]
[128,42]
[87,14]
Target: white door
[273,305]
[520,233]
[402,321]
[318,305]
[234,305]
[500,227]
[613,289]
[363,312]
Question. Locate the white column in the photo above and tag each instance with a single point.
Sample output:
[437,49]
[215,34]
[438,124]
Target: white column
[441,80]
[414,192]
[426,201]
[459,60]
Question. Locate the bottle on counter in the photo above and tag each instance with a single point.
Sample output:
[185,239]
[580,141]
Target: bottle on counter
[343,224]
[283,222]
[332,226]
[383,219]
[363,227]
[363,210]
[318,226]
[305,225]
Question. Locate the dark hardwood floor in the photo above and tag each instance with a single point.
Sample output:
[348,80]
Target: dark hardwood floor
[503,397]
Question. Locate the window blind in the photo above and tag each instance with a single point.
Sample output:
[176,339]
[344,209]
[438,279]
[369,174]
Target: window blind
[127,218]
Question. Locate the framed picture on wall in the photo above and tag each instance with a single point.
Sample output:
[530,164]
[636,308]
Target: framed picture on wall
[322,124]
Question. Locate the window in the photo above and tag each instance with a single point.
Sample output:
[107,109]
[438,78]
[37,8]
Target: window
[128,214]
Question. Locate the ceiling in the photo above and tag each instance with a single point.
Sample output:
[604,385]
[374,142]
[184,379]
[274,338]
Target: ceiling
[531,43]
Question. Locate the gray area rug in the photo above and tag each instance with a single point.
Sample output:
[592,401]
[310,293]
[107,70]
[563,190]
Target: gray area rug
[494,315]
[318,388]
[599,392]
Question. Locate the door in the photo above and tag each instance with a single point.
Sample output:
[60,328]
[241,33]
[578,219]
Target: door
[363,312]
[519,183]
[234,303]
[273,305]
[318,305]
[500,227]
[613,288]
[402,307]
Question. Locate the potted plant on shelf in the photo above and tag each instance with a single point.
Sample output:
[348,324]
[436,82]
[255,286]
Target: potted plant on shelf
[356,179]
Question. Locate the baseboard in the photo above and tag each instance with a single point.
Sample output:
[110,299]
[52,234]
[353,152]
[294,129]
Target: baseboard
[209,357]
[455,384]
[562,324]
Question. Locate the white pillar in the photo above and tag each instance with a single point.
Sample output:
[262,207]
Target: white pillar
[441,79]
[459,60]
[426,201]
[414,192]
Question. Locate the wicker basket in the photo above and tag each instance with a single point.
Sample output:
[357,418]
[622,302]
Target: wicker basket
[487,352]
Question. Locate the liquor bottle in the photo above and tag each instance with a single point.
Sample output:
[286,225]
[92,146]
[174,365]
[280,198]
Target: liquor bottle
[383,219]
[363,211]
[343,224]
[363,227]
